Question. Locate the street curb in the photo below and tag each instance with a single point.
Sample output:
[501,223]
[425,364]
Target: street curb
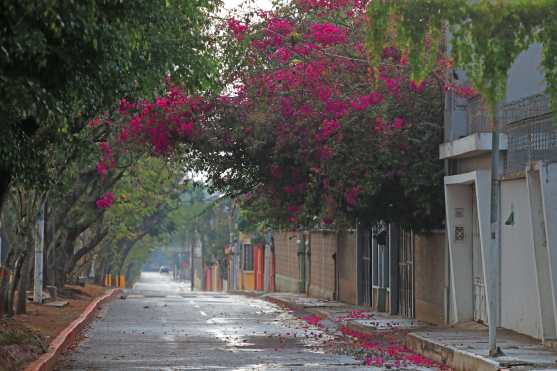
[284,303]
[250,294]
[47,360]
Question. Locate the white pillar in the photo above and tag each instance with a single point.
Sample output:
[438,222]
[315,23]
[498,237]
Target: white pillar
[39,249]
[542,256]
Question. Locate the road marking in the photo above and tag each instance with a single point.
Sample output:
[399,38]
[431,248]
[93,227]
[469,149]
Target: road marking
[203,313]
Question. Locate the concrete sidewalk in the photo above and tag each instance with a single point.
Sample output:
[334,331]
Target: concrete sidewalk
[463,348]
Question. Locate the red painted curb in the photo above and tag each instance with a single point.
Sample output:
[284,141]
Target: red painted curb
[46,361]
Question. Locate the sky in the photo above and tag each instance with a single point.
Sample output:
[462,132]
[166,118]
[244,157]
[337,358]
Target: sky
[263,4]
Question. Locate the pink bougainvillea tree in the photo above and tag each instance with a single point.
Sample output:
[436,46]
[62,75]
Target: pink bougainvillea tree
[310,131]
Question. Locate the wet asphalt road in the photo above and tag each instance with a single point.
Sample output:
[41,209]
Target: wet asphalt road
[163,326]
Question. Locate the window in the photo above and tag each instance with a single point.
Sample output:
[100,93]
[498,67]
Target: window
[248,257]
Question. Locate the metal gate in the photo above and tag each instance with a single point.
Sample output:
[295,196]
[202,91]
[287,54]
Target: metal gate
[406,273]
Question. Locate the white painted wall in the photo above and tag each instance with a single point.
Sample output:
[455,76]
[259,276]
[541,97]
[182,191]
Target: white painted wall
[459,196]
[519,302]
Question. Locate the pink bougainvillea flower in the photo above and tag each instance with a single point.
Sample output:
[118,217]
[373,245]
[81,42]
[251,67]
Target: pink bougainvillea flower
[123,136]
[282,55]
[328,128]
[325,153]
[105,201]
[312,320]
[280,26]
[393,85]
[186,129]
[351,196]
[102,169]
[417,87]
[365,101]
[94,122]
[293,209]
[328,33]
[337,107]
[398,123]
[237,28]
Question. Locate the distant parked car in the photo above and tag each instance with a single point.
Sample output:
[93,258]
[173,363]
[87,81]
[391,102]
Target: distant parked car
[164,269]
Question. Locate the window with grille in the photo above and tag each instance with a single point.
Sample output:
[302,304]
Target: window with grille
[248,257]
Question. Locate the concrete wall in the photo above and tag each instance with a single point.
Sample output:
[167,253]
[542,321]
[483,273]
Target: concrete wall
[347,274]
[519,297]
[322,265]
[287,275]
[430,277]
[483,161]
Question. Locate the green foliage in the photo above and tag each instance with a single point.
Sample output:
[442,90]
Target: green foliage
[486,36]
[63,62]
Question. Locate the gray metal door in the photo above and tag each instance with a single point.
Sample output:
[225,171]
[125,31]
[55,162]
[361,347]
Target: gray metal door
[406,273]
[364,266]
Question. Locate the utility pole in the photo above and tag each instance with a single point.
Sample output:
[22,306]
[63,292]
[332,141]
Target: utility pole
[39,250]
[494,246]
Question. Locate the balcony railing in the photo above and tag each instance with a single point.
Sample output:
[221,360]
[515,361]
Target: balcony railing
[531,139]
[478,117]
[529,124]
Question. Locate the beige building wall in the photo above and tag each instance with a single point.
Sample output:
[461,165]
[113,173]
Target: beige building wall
[287,274]
[322,265]
[430,277]
[347,274]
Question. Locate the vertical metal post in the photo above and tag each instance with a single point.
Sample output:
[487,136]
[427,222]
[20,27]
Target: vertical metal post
[492,271]
[39,249]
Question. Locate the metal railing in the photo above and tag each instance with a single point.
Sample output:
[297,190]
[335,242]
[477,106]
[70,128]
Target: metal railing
[529,124]
[478,117]
[531,139]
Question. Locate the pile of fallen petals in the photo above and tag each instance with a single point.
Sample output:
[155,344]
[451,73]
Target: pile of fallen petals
[355,314]
[384,349]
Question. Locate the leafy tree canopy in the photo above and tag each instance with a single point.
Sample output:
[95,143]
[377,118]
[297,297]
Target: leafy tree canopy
[486,36]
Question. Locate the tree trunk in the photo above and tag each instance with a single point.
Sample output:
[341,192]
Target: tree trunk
[5,284]
[21,303]
[14,284]
[5,178]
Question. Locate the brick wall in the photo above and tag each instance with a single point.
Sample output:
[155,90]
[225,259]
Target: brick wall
[322,264]
[287,275]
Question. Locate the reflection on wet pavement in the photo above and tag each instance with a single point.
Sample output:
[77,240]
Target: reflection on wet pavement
[161,325]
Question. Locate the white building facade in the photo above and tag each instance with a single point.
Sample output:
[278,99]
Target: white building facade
[524,278]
